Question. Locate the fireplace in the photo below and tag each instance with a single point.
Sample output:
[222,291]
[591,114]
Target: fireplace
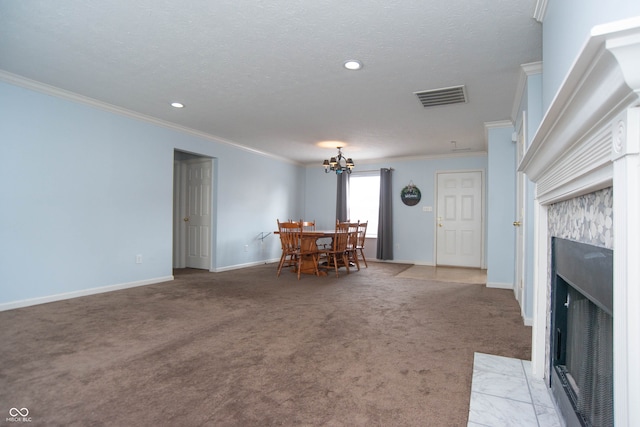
[582,332]
[589,140]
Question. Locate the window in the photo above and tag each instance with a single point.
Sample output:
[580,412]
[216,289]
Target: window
[364,198]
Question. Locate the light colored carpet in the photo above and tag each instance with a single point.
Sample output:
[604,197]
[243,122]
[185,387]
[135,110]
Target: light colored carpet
[245,348]
[445,274]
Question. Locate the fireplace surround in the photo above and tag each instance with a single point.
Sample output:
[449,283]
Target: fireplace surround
[589,141]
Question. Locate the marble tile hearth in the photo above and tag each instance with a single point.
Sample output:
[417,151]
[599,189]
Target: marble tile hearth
[504,393]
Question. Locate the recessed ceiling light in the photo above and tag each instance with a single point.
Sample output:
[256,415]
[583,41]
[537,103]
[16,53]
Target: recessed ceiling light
[177,105]
[353,64]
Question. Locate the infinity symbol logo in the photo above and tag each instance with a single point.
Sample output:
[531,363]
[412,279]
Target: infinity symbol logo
[14,412]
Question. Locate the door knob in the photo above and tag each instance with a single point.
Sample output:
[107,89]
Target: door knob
[516,223]
[439,225]
[186,219]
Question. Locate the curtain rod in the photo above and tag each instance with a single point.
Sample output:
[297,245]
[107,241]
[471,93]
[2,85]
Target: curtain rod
[372,170]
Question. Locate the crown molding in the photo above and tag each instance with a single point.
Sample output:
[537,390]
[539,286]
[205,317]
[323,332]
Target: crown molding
[540,10]
[413,158]
[26,83]
[526,71]
[500,124]
[571,153]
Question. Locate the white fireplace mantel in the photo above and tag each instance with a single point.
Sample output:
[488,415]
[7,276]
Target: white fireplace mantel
[589,139]
[571,153]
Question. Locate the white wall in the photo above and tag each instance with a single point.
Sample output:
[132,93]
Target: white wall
[85,190]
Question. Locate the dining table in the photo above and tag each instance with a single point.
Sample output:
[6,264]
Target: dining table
[309,242]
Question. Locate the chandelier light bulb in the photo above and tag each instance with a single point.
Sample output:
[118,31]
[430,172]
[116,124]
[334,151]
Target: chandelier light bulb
[338,164]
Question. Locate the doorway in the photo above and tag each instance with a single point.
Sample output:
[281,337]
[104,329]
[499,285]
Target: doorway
[192,211]
[459,225]
[520,219]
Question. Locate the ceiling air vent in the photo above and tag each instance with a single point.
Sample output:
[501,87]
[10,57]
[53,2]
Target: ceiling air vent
[444,96]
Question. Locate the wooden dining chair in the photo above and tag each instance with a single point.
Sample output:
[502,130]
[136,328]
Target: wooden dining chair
[288,257]
[293,251]
[337,254]
[362,232]
[352,243]
[308,225]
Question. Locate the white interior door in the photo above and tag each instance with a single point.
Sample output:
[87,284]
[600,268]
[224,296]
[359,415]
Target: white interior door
[459,219]
[197,216]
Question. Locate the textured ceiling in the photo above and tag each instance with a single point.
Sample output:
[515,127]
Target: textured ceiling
[269,75]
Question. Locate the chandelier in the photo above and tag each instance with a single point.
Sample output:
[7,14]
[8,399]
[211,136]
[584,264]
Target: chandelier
[338,164]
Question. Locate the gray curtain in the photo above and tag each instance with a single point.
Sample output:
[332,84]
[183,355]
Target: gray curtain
[385,217]
[342,200]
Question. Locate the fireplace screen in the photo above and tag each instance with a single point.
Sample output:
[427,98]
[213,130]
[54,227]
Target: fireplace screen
[582,356]
[588,368]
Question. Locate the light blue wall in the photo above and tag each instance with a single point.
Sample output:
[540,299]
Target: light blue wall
[413,230]
[90,189]
[531,107]
[253,192]
[566,28]
[501,196]
[85,190]
[567,25]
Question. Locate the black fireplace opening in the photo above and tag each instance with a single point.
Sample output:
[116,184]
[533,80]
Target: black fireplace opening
[582,332]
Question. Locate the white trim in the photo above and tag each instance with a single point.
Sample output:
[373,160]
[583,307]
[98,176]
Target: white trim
[498,285]
[245,265]
[626,250]
[501,124]
[81,293]
[592,94]
[540,291]
[540,10]
[590,139]
[179,204]
[583,168]
[400,261]
[411,158]
[526,70]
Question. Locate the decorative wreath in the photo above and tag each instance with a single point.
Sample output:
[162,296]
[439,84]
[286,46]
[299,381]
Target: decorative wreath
[410,195]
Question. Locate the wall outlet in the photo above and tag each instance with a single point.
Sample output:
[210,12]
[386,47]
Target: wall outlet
[246,248]
[139,259]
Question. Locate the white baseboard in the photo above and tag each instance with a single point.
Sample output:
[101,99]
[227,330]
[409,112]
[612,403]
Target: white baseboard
[81,293]
[400,261]
[499,285]
[249,264]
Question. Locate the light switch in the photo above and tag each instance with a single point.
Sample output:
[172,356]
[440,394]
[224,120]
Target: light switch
[427,209]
